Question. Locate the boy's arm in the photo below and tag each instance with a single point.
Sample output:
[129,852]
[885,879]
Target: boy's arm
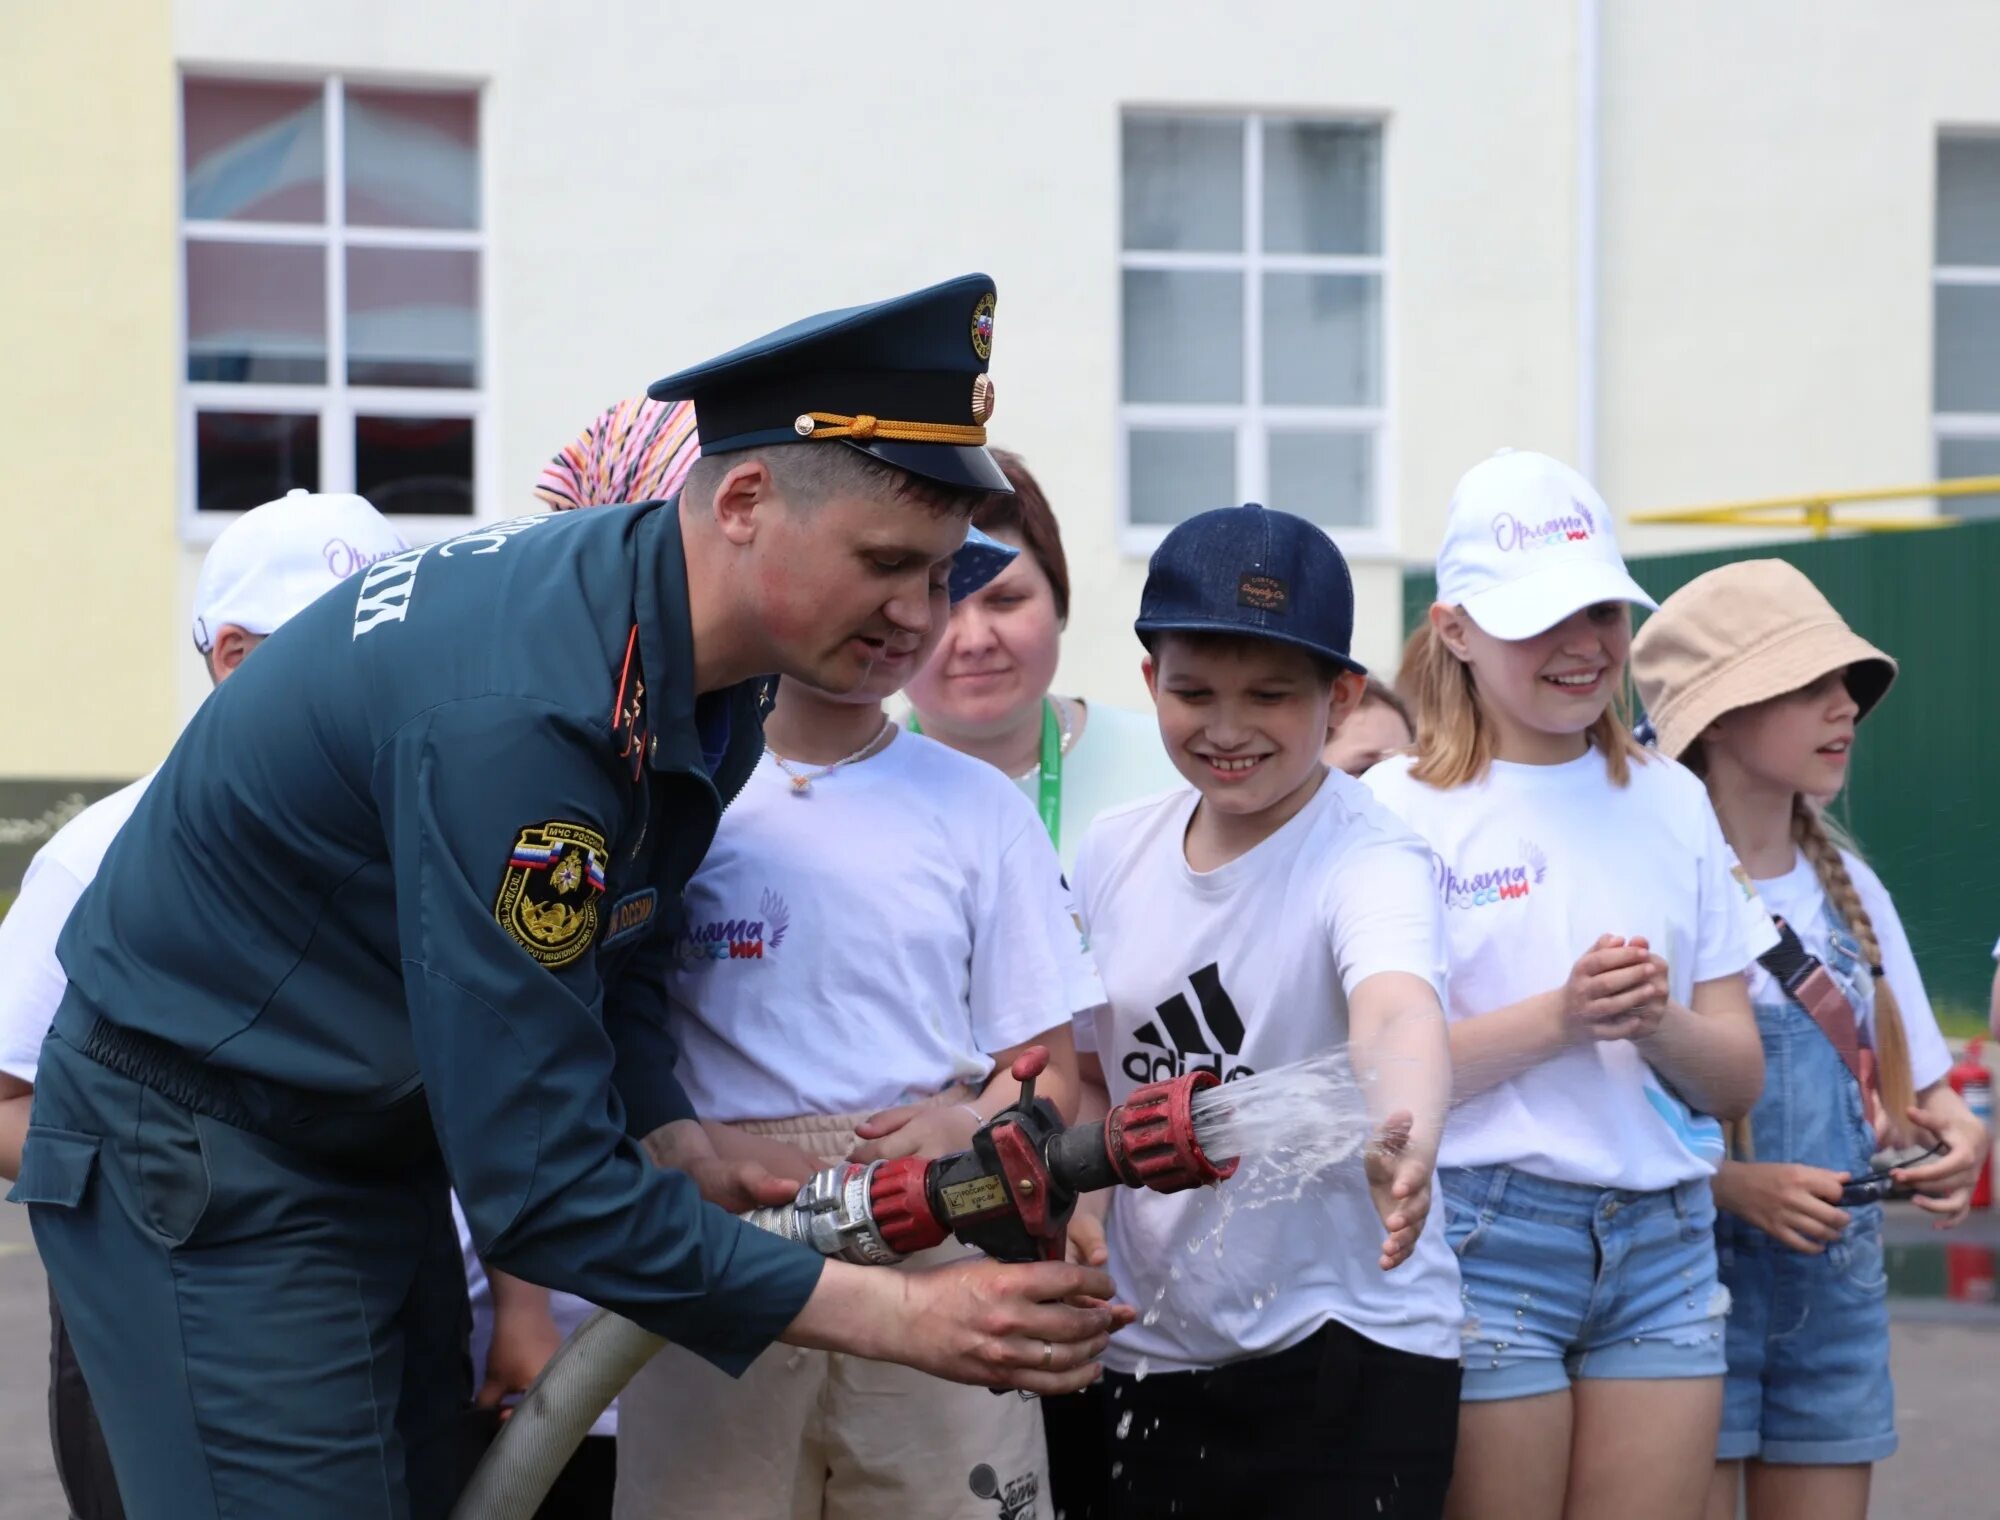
[778,1157]
[1396,1040]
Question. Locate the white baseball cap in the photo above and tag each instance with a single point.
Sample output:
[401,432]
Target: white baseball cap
[276,560]
[1528,542]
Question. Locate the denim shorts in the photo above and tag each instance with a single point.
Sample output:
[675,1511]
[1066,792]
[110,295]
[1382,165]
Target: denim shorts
[1808,1348]
[1565,1281]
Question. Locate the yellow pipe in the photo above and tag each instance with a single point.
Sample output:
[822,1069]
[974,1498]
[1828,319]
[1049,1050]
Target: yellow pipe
[1815,512]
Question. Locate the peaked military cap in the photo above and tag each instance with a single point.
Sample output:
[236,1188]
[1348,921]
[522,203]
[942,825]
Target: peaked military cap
[904,380]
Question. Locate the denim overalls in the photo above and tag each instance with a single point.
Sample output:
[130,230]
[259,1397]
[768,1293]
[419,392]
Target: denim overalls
[1808,1337]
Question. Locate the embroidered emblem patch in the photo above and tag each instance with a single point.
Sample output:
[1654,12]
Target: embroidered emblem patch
[1266,593]
[630,914]
[982,326]
[548,898]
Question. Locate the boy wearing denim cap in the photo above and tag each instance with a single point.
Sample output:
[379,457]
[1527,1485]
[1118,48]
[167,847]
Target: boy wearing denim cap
[1274,913]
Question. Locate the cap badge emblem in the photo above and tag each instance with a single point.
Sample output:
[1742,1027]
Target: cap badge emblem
[982,398]
[982,326]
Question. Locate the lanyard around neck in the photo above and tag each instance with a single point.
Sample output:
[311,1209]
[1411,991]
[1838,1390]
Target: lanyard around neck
[1048,773]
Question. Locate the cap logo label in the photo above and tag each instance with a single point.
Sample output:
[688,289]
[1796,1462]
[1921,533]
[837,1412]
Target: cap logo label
[982,326]
[1509,532]
[1264,593]
[343,558]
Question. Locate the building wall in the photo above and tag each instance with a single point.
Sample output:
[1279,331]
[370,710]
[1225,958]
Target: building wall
[86,393]
[1769,193]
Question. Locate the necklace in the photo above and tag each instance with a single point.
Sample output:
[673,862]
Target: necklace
[1064,711]
[802,780]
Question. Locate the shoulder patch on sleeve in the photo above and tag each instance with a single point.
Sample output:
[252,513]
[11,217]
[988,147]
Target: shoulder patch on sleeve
[548,898]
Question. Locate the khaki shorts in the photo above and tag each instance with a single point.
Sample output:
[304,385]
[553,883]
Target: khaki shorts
[819,1435]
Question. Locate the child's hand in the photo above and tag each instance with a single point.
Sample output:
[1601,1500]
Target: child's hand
[1399,1180]
[1617,990]
[522,1345]
[916,1129]
[1797,1206]
[733,1184]
[1087,1246]
[1944,1185]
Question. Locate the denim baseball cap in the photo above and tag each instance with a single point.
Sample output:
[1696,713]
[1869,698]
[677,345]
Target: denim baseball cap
[1256,574]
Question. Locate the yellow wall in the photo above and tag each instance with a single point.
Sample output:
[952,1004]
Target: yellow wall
[87,355]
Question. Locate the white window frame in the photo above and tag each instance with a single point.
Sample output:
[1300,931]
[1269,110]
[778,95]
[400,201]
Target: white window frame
[335,403]
[1251,419]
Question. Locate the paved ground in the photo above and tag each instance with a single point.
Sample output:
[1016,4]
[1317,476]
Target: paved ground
[1946,1357]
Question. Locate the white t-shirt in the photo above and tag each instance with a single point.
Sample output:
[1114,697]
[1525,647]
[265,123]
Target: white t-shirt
[871,941]
[1533,863]
[31,978]
[1118,758]
[1245,968]
[566,1309]
[1798,898]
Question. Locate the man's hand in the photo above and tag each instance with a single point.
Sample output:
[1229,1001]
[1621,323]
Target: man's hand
[1039,1326]
[683,1146]
[1399,1180]
[1798,1206]
[916,1129]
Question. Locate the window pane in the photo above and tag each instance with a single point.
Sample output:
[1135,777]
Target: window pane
[1184,183]
[244,459]
[1968,348]
[1326,477]
[412,317]
[414,464]
[253,152]
[1968,200]
[1322,188]
[1321,339]
[256,313]
[1183,336]
[1959,458]
[412,159]
[1173,474]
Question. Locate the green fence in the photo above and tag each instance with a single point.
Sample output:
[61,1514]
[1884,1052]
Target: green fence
[1922,796]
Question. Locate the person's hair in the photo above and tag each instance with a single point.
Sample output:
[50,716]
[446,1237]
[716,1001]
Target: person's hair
[1027,513]
[807,474]
[1327,670]
[1455,741]
[1375,693]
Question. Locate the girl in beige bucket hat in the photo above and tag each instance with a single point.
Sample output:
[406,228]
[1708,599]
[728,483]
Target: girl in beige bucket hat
[1753,680]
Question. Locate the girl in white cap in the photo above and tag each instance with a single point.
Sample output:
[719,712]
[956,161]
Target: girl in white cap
[1754,682]
[1600,1026]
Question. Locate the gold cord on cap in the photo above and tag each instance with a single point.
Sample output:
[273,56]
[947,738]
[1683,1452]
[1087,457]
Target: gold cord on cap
[818,425]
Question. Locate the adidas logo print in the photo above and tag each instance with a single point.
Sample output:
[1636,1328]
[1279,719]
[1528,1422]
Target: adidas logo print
[1179,1042]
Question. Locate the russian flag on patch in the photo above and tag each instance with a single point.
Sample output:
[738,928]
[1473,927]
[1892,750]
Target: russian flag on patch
[593,870]
[534,857]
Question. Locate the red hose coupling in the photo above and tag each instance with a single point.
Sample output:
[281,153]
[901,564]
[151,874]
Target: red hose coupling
[1150,1137]
[901,1207]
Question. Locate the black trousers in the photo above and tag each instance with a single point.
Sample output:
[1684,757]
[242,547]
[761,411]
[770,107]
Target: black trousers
[1334,1428]
[83,1462]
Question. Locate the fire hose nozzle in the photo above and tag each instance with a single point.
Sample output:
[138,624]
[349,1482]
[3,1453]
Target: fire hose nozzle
[1151,1142]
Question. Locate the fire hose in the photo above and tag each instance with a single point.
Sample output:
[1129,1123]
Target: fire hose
[1010,1194]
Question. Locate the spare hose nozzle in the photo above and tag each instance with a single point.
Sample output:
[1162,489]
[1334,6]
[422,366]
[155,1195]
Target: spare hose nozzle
[1012,1192]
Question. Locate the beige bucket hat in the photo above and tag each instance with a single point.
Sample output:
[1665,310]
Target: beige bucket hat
[1740,635]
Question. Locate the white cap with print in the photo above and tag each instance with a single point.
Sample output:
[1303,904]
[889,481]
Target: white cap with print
[276,560]
[1528,542]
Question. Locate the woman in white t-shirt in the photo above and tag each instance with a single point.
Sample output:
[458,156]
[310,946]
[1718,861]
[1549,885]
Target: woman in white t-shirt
[986,691]
[1752,679]
[1600,1028]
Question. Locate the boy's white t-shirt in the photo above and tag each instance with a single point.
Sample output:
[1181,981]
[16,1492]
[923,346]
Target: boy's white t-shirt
[32,981]
[1242,969]
[1799,899]
[1533,863]
[870,941]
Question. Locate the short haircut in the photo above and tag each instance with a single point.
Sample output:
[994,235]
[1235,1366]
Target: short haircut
[1328,670]
[809,473]
[1027,513]
[1379,694]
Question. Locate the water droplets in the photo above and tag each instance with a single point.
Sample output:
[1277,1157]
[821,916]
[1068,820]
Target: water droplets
[1139,1372]
[1124,1425]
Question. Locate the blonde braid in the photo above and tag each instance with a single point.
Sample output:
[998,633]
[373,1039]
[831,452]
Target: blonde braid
[1892,1045]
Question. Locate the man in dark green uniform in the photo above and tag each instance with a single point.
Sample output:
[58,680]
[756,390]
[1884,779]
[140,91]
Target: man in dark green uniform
[414,929]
